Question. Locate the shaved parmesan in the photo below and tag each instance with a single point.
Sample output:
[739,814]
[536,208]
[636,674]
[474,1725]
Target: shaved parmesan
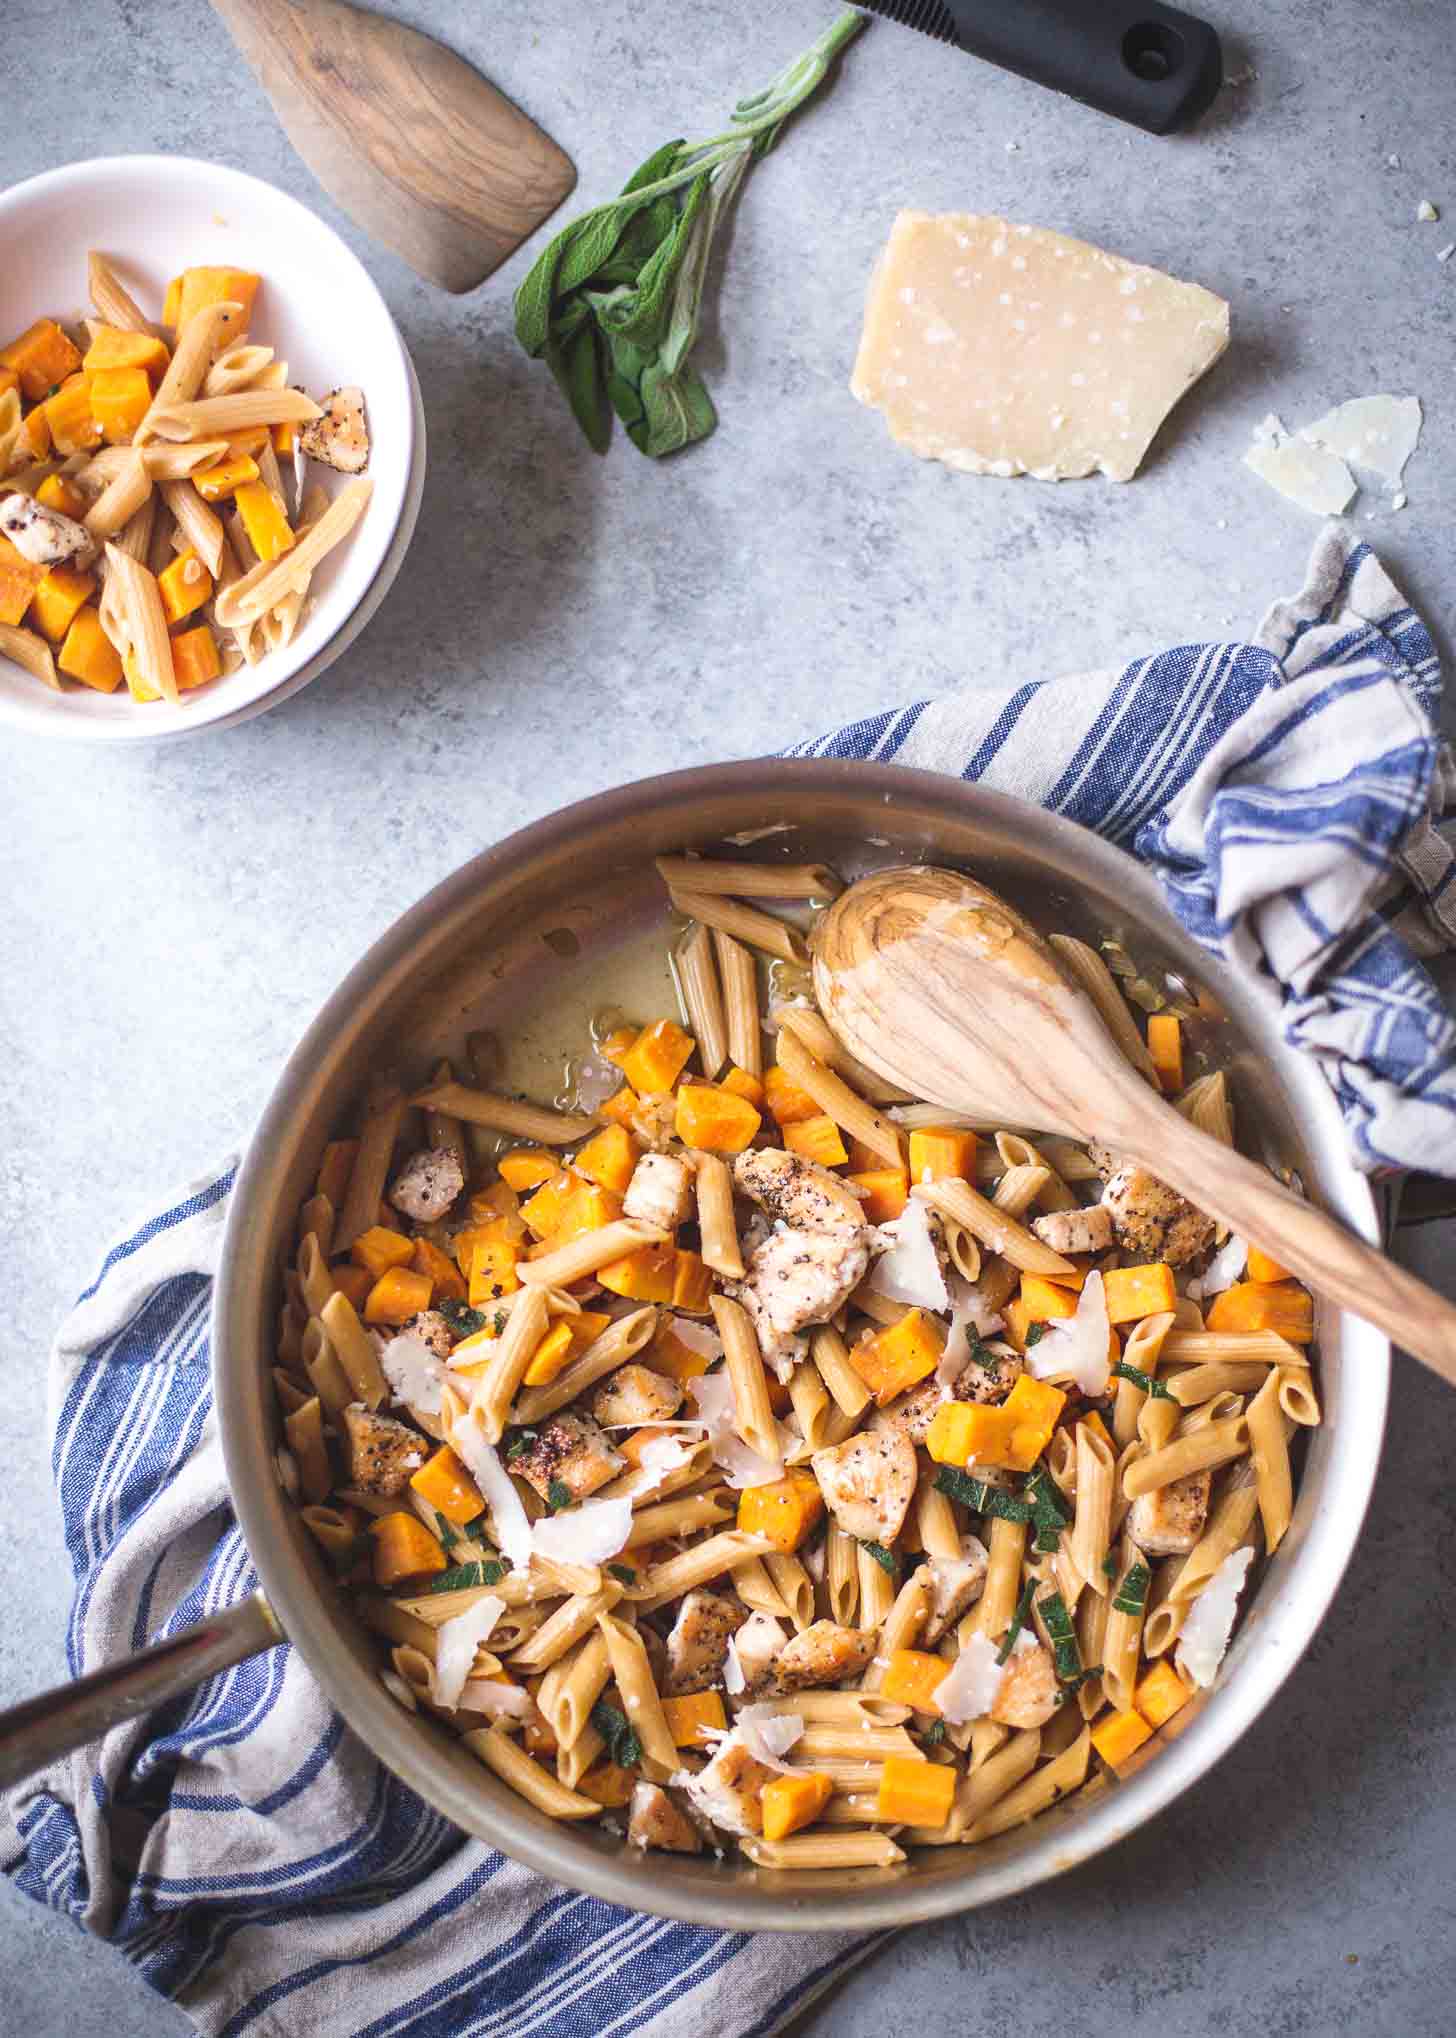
[456,1642]
[1210,1620]
[909,1270]
[663,1455]
[968,1311]
[759,1640]
[744,1466]
[508,1519]
[969,1692]
[1378,432]
[1076,1348]
[766,1734]
[1226,1267]
[1300,471]
[698,1337]
[490,1695]
[415,1374]
[587,1534]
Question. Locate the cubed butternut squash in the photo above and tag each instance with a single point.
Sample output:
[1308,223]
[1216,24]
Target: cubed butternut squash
[742,1084]
[69,418]
[379,1249]
[404,1550]
[204,286]
[58,600]
[88,654]
[1262,1268]
[608,1158]
[284,438]
[1118,1736]
[784,1511]
[622,1106]
[527,1167]
[617,1043]
[1033,1408]
[714,1119]
[1281,1306]
[172,303]
[607,1785]
[544,1211]
[493,1264]
[42,357]
[912,1678]
[34,442]
[224,477]
[898,1356]
[195,658]
[552,1354]
[58,493]
[443,1483]
[692,1283]
[9,380]
[1161,1693]
[1165,1045]
[586,1329]
[184,585]
[647,1275]
[397,1295]
[691,1716]
[114,348]
[19,579]
[793,1801]
[886,1191]
[817,1139]
[657,1057]
[588,1208]
[443,1273]
[968,1433]
[1135,1292]
[1046,1299]
[498,1201]
[787,1103]
[914,1792]
[940,1153]
[268,529]
[354,1282]
[668,1354]
[120,399]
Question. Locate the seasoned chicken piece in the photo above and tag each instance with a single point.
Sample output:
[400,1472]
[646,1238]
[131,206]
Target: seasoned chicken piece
[954,1584]
[1168,1521]
[340,438]
[697,1648]
[1075,1231]
[824,1654]
[634,1393]
[655,1821]
[427,1184]
[990,1377]
[44,536]
[382,1452]
[758,1645]
[796,1278]
[571,1451]
[798,1191]
[660,1191]
[1029,1692]
[910,1414]
[1149,1218]
[729,1790]
[868,1483]
[430,1327]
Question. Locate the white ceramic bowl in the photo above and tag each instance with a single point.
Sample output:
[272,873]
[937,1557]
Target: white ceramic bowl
[318,309]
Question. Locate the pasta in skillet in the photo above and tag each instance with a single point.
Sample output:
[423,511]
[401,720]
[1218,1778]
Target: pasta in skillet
[764,1459]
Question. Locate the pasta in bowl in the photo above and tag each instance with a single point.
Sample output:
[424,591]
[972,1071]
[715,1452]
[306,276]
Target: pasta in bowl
[185,532]
[834,1559]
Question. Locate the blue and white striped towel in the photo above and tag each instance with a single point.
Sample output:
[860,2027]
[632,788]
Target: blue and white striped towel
[241,1847]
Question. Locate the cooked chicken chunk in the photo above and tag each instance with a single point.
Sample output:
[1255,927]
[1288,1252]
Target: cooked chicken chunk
[954,1583]
[990,1377]
[1075,1231]
[1029,1692]
[382,1452]
[340,438]
[758,1645]
[571,1451]
[634,1393]
[910,1414]
[797,1278]
[1168,1521]
[824,1654]
[798,1191]
[660,1191]
[655,1821]
[432,1331]
[729,1790]
[1148,1217]
[44,536]
[427,1184]
[868,1483]
[697,1648]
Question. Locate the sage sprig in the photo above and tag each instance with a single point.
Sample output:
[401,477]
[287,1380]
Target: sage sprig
[613,304]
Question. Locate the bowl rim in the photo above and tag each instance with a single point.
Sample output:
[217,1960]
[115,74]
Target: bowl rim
[549,1848]
[80,728]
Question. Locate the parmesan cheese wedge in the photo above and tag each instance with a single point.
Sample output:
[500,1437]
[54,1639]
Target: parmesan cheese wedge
[1003,349]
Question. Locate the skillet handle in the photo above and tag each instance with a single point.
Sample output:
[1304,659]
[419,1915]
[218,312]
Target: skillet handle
[37,1731]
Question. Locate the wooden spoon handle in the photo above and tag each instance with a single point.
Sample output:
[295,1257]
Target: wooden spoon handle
[1332,1261]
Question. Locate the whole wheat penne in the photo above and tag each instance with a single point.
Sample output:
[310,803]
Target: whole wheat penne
[834,1096]
[1090,973]
[187,369]
[697,975]
[850,1740]
[810,1401]
[755,1587]
[1006,1547]
[1297,1397]
[619,1342]
[507,1114]
[1206,1103]
[527,1778]
[1190,1385]
[1092,1523]
[564,1628]
[744,923]
[1092,1614]
[304,1430]
[201,526]
[680,1516]
[592,1249]
[1122,1637]
[1020,1187]
[935,1520]
[1269,1452]
[495,1388]
[823,1042]
[738,975]
[993,1780]
[1205,1347]
[825,1850]
[27,649]
[716,1223]
[841,1576]
[845,1708]
[753,1417]
[831,1356]
[321,1363]
[120,500]
[237,367]
[638,1688]
[750,880]
[573,1684]
[899,1629]
[211,417]
[1142,1350]
[113,301]
[992,1226]
[795,1588]
[384,1109]
[676,1575]
[1042,1788]
[355,1350]
[876,1592]
[263,586]
[442,1128]
[144,619]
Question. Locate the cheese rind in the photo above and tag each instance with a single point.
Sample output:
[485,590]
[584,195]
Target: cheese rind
[1004,349]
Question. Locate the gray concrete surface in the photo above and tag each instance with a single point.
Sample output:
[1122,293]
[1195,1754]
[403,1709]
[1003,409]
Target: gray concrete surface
[173,919]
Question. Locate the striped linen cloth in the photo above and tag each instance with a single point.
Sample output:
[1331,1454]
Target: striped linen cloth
[240,1846]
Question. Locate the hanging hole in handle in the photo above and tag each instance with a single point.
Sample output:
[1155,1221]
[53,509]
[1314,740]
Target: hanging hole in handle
[1152,51]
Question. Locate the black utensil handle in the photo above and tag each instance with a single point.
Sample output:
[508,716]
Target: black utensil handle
[1148,64]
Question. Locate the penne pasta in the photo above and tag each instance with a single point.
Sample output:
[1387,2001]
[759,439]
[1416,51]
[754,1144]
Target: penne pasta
[513,1766]
[377,1136]
[834,1097]
[505,1114]
[753,1417]
[744,923]
[25,648]
[825,1045]
[263,586]
[1090,973]
[114,303]
[495,1389]
[1269,1452]
[738,976]
[993,1226]
[213,417]
[198,524]
[750,880]
[702,994]
[143,619]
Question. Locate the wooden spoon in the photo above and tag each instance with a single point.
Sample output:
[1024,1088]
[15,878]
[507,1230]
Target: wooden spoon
[943,988]
[412,142]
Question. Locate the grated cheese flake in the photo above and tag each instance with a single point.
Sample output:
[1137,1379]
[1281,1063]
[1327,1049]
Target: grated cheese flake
[1210,1619]
[969,1692]
[456,1642]
[589,1533]
[416,1375]
[909,1270]
[1077,1347]
[1226,1267]
[508,1519]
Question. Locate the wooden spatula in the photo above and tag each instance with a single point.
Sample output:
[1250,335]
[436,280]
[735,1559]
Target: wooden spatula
[943,988]
[412,142]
